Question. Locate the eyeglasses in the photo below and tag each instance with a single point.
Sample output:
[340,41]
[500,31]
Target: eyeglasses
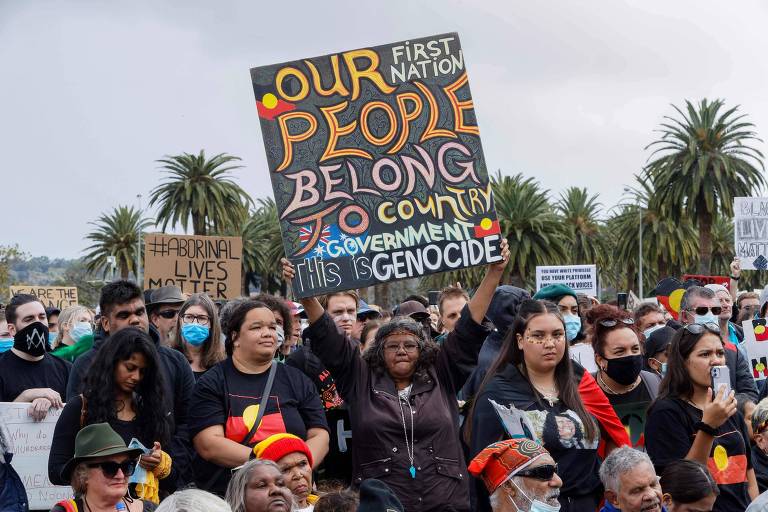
[700,328]
[613,323]
[539,339]
[409,346]
[168,313]
[545,472]
[200,319]
[109,468]
[702,310]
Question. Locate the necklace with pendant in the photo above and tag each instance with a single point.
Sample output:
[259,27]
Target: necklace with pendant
[409,448]
[550,397]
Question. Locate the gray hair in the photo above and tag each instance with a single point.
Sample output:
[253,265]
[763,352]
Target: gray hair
[759,415]
[193,500]
[235,494]
[496,495]
[79,479]
[619,462]
[694,292]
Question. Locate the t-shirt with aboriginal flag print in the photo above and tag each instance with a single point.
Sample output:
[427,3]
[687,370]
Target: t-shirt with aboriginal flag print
[669,434]
[226,396]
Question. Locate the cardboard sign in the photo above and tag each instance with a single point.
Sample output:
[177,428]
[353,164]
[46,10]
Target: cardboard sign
[750,230]
[581,278]
[705,280]
[58,297]
[376,164]
[584,354]
[196,264]
[30,443]
[756,344]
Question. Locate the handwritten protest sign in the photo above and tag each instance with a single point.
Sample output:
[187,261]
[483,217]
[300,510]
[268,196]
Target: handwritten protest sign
[376,164]
[756,344]
[584,354]
[705,280]
[196,264]
[58,297]
[581,278]
[30,443]
[750,230]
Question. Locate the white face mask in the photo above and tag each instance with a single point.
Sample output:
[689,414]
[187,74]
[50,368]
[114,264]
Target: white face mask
[536,505]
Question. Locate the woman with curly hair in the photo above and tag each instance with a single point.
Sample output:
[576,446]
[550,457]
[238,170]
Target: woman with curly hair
[123,387]
[401,394]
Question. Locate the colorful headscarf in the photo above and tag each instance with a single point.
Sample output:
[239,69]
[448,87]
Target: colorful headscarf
[500,461]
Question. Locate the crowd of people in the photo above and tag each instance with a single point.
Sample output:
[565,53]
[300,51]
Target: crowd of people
[176,402]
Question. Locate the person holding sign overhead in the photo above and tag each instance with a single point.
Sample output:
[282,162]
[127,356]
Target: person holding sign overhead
[401,395]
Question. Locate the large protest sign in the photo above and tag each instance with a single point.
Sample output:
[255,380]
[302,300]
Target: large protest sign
[196,264]
[376,164]
[30,443]
[58,297]
[581,278]
[750,230]
[756,345]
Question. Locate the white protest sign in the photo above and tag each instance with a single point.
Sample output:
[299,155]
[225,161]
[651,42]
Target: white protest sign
[30,443]
[581,278]
[756,344]
[750,231]
[583,354]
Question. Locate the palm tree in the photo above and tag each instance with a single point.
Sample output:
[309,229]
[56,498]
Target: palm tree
[116,235]
[263,246]
[584,242]
[702,161]
[535,234]
[199,189]
[722,246]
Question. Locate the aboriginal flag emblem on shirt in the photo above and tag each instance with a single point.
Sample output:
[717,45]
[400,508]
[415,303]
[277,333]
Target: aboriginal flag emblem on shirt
[727,468]
[242,415]
[268,103]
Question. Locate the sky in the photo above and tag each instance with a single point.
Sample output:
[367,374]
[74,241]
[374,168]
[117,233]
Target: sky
[92,93]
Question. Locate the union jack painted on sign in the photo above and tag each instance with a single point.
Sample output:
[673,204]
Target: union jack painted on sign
[305,234]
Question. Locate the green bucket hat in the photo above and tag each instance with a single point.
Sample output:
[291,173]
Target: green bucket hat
[94,441]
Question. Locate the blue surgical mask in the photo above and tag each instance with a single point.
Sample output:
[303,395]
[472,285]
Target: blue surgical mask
[5,344]
[663,369]
[80,331]
[709,318]
[52,337]
[652,329]
[195,334]
[572,326]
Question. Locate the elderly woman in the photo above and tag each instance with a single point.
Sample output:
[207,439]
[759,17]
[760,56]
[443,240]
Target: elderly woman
[294,459]
[99,473]
[248,397]
[193,500]
[402,397]
[259,486]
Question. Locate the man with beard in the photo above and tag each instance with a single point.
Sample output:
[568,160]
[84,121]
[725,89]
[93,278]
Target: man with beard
[28,373]
[520,475]
[630,482]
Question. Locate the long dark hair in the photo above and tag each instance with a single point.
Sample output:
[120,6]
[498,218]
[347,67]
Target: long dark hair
[677,382]
[100,385]
[212,350]
[688,481]
[510,353]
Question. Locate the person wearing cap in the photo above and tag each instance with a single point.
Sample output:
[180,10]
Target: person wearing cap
[568,304]
[376,496]
[418,312]
[656,350]
[364,314]
[163,309]
[401,395]
[292,456]
[520,475]
[99,473]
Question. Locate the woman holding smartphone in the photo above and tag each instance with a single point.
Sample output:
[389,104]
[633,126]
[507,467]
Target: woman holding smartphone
[689,421]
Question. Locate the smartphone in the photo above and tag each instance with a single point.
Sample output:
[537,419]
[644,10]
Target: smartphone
[433,295]
[621,299]
[721,379]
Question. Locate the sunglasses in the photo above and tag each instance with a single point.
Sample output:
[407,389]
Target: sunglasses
[614,323]
[702,310]
[109,468]
[168,313]
[545,472]
[700,328]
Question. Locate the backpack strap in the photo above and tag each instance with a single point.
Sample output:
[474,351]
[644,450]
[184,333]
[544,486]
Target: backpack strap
[651,382]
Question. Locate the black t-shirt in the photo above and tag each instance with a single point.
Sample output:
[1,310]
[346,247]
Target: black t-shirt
[225,396]
[17,375]
[669,433]
[631,408]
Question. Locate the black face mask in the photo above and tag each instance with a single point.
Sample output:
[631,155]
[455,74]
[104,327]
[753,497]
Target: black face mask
[32,340]
[624,370]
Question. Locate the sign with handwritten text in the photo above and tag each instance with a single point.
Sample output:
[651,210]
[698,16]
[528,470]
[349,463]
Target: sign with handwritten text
[196,264]
[58,297]
[30,443]
[376,164]
[750,230]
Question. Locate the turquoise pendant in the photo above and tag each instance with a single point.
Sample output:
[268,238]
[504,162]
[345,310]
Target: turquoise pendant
[413,471]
